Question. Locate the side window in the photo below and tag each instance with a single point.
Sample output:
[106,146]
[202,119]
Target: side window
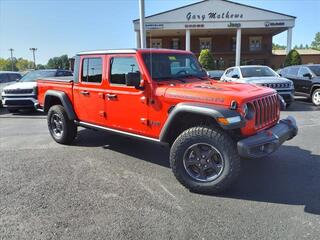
[302,71]
[283,71]
[235,72]
[293,71]
[3,78]
[15,77]
[91,70]
[59,74]
[229,72]
[119,67]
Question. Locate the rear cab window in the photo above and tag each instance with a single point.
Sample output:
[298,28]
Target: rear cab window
[91,70]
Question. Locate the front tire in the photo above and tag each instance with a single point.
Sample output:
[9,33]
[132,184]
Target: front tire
[205,160]
[316,97]
[62,129]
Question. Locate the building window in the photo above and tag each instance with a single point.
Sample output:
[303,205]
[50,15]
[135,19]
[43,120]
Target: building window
[255,43]
[156,43]
[205,43]
[92,70]
[175,43]
[120,66]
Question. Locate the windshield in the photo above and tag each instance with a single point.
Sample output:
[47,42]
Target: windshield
[34,75]
[163,66]
[257,72]
[315,70]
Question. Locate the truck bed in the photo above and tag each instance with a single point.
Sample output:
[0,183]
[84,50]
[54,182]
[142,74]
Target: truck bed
[63,84]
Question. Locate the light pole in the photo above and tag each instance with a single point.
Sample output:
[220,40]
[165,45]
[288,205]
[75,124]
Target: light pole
[142,26]
[11,53]
[34,56]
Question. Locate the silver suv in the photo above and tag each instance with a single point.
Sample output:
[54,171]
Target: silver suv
[263,76]
[7,78]
[23,94]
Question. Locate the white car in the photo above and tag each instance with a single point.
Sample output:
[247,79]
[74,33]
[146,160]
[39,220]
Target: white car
[263,76]
[7,78]
[23,94]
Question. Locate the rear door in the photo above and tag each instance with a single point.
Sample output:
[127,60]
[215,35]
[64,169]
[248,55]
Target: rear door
[88,92]
[127,106]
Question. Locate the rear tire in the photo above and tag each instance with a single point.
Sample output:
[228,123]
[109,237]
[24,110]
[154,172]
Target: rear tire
[315,98]
[205,160]
[62,129]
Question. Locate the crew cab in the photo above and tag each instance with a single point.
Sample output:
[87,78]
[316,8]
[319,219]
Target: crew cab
[263,76]
[165,96]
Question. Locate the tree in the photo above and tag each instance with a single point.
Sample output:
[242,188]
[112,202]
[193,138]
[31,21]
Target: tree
[293,58]
[61,62]
[40,66]
[23,64]
[276,46]
[316,43]
[206,59]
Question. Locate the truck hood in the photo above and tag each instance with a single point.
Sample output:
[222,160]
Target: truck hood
[219,93]
[21,85]
[260,80]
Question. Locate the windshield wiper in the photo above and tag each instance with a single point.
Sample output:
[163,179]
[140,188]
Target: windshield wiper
[170,78]
[191,75]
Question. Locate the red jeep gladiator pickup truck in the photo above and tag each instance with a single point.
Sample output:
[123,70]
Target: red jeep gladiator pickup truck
[165,96]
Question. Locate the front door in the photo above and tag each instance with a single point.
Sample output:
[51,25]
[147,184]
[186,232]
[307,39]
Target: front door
[305,81]
[89,91]
[127,106]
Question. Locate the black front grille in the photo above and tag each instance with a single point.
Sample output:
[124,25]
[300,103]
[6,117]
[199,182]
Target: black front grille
[276,85]
[19,102]
[18,91]
[267,110]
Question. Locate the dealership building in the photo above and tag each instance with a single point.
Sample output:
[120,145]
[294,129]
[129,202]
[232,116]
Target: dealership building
[235,33]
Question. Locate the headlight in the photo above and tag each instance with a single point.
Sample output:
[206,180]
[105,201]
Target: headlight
[245,110]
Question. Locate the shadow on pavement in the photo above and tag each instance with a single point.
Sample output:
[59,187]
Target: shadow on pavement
[302,105]
[289,176]
[21,113]
[144,150]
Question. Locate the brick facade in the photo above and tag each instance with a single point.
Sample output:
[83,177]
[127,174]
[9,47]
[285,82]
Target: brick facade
[222,48]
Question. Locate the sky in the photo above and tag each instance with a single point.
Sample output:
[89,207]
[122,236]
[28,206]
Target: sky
[57,27]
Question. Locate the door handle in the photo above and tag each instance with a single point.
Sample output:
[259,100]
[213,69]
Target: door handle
[111,96]
[86,93]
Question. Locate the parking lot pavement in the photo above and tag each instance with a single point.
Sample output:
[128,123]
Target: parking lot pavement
[106,186]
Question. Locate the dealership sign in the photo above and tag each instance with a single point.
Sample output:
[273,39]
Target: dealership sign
[150,26]
[214,16]
[274,24]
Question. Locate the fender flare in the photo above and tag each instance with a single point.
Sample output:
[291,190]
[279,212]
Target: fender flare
[315,85]
[63,97]
[207,110]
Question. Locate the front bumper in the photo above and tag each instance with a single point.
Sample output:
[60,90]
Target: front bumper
[269,140]
[19,102]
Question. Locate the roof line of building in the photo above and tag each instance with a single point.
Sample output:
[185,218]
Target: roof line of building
[240,4]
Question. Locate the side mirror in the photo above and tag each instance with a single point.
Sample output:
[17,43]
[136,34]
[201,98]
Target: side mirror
[235,76]
[133,79]
[308,75]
